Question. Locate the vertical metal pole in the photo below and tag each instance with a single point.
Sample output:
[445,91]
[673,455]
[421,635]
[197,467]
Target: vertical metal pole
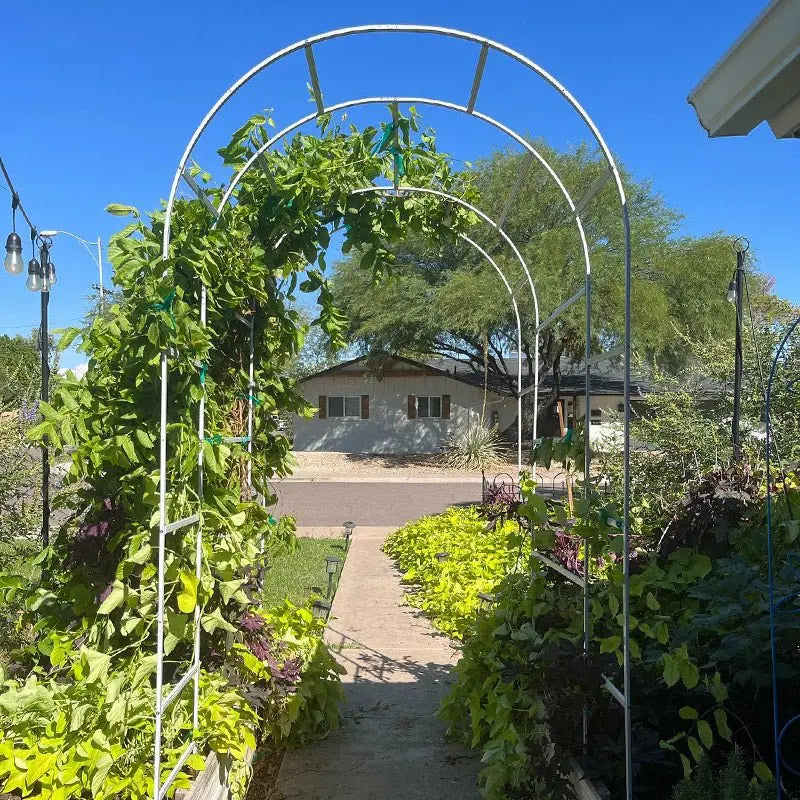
[626,507]
[737,375]
[535,391]
[519,397]
[201,429]
[250,402]
[587,469]
[44,335]
[100,270]
[162,525]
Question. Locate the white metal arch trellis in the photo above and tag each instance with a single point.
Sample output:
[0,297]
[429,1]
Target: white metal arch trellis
[611,171]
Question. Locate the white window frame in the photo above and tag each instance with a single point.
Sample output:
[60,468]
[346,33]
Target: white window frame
[344,398]
[428,398]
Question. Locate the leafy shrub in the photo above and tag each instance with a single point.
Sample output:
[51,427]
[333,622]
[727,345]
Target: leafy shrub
[699,648]
[20,478]
[729,783]
[476,557]
[476,447]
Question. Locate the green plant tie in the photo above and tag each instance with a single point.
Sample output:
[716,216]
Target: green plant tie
[203,372]
[256,401]
[215,439]
[399,161]
[166,306]
[245,439]
[271,520]
[388,132]
[568,436]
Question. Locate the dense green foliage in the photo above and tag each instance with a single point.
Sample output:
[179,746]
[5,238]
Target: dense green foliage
[729,783]
[20,371]
[20,479]
[92,608]
[474,557]
[699,641]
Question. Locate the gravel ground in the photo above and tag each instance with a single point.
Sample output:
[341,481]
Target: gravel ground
[366,464]
[382,467]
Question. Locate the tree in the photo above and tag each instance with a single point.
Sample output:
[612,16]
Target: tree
[317,353]
[445,301]
[20,371]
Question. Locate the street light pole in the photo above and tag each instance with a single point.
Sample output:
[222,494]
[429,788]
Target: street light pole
[736,296]
[98,260]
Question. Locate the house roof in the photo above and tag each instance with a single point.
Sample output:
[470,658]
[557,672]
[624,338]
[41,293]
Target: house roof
[757,79]
[605,379]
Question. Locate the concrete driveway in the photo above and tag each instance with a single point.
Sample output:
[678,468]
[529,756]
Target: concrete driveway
[325,504]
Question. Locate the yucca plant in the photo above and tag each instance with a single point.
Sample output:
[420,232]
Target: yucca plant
[476,447]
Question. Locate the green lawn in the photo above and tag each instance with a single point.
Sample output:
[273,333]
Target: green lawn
[301,575]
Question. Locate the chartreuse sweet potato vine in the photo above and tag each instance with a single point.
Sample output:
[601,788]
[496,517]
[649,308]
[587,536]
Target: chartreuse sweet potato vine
[77,707]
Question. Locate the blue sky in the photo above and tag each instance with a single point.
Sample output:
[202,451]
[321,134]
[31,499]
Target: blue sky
[101,97]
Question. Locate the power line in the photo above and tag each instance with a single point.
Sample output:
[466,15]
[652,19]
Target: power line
[16,203]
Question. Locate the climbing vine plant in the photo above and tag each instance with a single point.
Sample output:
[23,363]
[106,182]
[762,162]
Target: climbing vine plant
[78,701]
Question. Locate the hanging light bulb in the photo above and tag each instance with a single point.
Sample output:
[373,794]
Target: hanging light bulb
[34,282]
[13,261]
[732,292]
[51,273]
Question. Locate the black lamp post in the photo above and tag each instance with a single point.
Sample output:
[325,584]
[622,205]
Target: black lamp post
[735,296]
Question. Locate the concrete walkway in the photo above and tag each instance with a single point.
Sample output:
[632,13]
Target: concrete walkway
[391,747]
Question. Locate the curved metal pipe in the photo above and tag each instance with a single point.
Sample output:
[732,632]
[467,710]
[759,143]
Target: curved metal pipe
[510,243]
[519,344]
[363,29]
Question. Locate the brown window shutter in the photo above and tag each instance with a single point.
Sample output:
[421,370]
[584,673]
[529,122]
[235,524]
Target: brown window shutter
[364,406]
[445,406]
[412,406]
[323,407]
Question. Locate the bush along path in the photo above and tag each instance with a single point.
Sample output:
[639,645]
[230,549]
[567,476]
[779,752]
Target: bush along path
[391,745]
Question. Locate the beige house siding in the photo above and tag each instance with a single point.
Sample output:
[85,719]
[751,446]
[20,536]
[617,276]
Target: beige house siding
[388,429]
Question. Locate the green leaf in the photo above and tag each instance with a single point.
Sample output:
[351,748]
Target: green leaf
[120,210]
[214,621]
[705,733]
[721,718]
[652,603]
[114,599]
[762,772]
[672,670]
[68,337]
[687,712]
[104,764]
[610,644]
[187,599]
[98,664]
[40,766]
[696,749]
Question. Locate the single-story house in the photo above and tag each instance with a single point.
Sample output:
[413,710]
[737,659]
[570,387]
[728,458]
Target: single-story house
[394,404]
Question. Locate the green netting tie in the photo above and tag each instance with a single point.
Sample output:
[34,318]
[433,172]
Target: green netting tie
[166,305]
[215,439]
[399,161]
[271,520]
[256,401]
[245,439]
[388,132]
[568,436]
[203,372]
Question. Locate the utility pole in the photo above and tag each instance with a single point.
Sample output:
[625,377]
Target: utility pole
[736,296]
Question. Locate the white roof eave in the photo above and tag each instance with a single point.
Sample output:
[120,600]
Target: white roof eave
[758,78]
